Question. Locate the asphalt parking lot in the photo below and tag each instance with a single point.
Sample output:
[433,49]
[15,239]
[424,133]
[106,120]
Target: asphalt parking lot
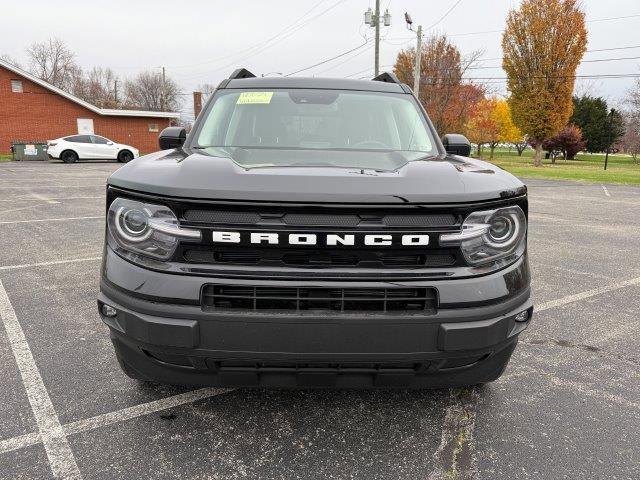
[567,407]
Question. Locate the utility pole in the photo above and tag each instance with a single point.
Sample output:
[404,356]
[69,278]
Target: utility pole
[373,20]
[376,69]
[115,92]
[416,66]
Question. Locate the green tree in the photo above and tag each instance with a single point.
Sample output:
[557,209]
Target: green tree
[591,115]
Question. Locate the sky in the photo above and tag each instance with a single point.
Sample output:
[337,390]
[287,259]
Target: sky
[203,41]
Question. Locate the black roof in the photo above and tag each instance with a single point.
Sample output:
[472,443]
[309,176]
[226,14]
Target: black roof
[313,82]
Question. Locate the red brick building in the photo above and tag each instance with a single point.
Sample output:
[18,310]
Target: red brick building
[33,110]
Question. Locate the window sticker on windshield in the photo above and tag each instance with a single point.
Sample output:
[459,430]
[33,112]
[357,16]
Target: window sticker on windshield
[254,97]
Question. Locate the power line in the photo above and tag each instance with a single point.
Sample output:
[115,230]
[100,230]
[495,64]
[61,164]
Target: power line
[555,77]
[613,18]
[368,69]
[328,59]
[614,48]
[445,15]
[481,32]
[587,51]
[266,45]
[257,45]
[583,61]
[348,59]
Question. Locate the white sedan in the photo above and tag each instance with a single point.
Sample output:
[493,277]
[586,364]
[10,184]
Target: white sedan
[79,147]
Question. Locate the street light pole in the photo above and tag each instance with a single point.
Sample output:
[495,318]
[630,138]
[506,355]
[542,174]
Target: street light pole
[606,156]
[164,90]
[416,66]
[416,72]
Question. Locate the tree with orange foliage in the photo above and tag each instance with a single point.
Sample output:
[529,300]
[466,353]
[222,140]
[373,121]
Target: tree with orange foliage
[491,124]
[543,43]
[482,127]
[443,92]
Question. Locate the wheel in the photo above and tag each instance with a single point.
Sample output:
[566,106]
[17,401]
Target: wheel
[125,156]
[69,156]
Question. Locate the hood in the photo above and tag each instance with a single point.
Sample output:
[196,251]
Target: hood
[440,179]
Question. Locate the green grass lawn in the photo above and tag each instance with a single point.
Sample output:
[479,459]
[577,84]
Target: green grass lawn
[587,167]
[4,158]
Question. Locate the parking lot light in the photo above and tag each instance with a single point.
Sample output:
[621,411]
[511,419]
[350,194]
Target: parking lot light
[521,317]
[109,311]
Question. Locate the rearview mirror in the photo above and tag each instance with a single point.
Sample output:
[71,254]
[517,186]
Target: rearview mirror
[172,137]
[456,144]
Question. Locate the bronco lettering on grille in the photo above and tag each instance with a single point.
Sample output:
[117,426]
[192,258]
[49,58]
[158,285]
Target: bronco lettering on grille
[326,239]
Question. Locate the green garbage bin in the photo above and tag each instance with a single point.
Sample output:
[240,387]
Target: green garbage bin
[28,150]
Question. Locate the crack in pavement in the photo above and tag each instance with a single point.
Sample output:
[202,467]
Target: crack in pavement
[455,458]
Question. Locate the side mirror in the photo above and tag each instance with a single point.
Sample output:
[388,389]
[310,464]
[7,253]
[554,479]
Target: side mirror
[109,143]
[172,137]
[456,144]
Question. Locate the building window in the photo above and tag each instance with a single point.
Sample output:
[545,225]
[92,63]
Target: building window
[153,127]
[16,86]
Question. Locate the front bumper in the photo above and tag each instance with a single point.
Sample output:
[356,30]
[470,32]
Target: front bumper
[161,332]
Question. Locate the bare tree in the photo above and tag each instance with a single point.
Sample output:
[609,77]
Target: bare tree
[53,62]
[207,90]
[100,87]
[630,140]
[147,91]
[10,60]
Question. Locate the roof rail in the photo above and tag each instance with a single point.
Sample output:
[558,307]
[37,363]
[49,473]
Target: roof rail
[241,73]
[386,77]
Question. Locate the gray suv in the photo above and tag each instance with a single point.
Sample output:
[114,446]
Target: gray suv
[314,233]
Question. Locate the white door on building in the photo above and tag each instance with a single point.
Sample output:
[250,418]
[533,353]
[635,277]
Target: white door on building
[85,126]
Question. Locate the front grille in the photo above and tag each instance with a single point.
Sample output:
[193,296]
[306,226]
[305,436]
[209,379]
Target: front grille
[261,298]
[319,258]
[318,219]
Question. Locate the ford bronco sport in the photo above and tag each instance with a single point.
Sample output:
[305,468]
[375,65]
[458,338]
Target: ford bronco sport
[314,233]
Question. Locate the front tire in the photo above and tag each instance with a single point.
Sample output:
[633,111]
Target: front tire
[69,156]
[125,156]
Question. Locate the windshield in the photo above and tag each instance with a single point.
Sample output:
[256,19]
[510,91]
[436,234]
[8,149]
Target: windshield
[300,127]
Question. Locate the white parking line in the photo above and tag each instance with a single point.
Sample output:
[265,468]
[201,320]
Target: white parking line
[42,197]
[51,199]
[106,419]
[586,294]
[63,463]
[103,185]
[606,192]
[22,441]
[142,409]
[459,417]
[461,413]
[17,209]
[46,264]
[50,220]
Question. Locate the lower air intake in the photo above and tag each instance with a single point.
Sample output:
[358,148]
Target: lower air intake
[259,298]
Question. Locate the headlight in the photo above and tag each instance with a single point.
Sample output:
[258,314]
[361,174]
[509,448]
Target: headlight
[490,235]
[146,229]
